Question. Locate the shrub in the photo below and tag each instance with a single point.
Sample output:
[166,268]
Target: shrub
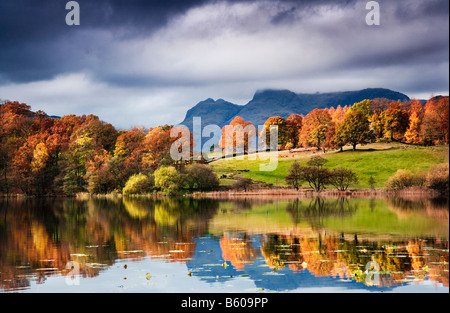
[437,178]
[242,183]
[289,146]
[167,179]
[372,182]
[201,177]
[138,184]
[403,179]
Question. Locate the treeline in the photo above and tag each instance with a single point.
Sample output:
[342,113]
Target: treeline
[41,155]
[411,122]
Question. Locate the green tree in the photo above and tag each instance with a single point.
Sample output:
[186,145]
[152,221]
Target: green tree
[73,164]
[283,135]
[167,179]
[364,106]
[139,184]
[356,128]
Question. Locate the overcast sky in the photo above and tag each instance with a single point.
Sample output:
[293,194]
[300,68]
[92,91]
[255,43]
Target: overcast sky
[145,63]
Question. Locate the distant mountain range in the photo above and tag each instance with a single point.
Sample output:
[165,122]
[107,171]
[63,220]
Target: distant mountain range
[267,103]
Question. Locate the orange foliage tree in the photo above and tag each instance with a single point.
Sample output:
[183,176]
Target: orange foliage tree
[315,127]
[435,128]
[395,121]
[293,127]
[238,139]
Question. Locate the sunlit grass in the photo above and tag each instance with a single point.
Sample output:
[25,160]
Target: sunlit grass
[378,160]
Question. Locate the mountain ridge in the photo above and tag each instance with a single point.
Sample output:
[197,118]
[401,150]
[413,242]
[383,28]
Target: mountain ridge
[280,102]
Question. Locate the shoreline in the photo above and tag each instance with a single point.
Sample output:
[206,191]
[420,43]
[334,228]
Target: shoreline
[412,193]
[285,193]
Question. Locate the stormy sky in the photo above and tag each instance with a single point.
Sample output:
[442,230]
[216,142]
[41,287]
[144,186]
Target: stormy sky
[145,63]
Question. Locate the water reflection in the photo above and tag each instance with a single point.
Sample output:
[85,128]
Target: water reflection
[279,244]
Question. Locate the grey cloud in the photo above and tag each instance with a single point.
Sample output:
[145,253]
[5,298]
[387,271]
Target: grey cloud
[153,55]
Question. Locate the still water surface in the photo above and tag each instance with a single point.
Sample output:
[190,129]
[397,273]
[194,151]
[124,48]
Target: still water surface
[197,246]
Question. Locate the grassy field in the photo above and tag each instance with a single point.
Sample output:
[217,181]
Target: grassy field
[378,160]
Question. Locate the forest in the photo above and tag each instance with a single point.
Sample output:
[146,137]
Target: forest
[42,155]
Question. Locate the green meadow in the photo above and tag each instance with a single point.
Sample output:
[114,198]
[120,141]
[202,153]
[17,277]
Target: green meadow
[378,160]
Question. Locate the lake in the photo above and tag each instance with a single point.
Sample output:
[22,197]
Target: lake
[186,245]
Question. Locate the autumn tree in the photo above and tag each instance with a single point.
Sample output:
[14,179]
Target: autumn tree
[238,135]
[315,127]
[23,166]
[334,138]
[293,127]
[156,148]
[280,122]
[15,122]
[435,127]
[104,133]
[377,125]
[416,114]
[379,105]
[337,115]
[74,161]
[128,150]
[395,121]
[101,176]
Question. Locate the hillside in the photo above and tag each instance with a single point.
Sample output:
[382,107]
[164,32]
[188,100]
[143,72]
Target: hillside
[267,103]
[377,159]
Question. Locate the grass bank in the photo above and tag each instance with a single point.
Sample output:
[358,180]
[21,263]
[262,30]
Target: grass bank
[378,160]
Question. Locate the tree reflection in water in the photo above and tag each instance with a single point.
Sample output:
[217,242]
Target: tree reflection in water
[314,210]
[39,237]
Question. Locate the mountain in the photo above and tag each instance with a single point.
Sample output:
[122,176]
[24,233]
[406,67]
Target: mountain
[270,102]
[212,112]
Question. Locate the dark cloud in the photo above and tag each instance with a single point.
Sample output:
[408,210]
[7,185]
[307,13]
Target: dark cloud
[37,43]
[422,10]
[152,55]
